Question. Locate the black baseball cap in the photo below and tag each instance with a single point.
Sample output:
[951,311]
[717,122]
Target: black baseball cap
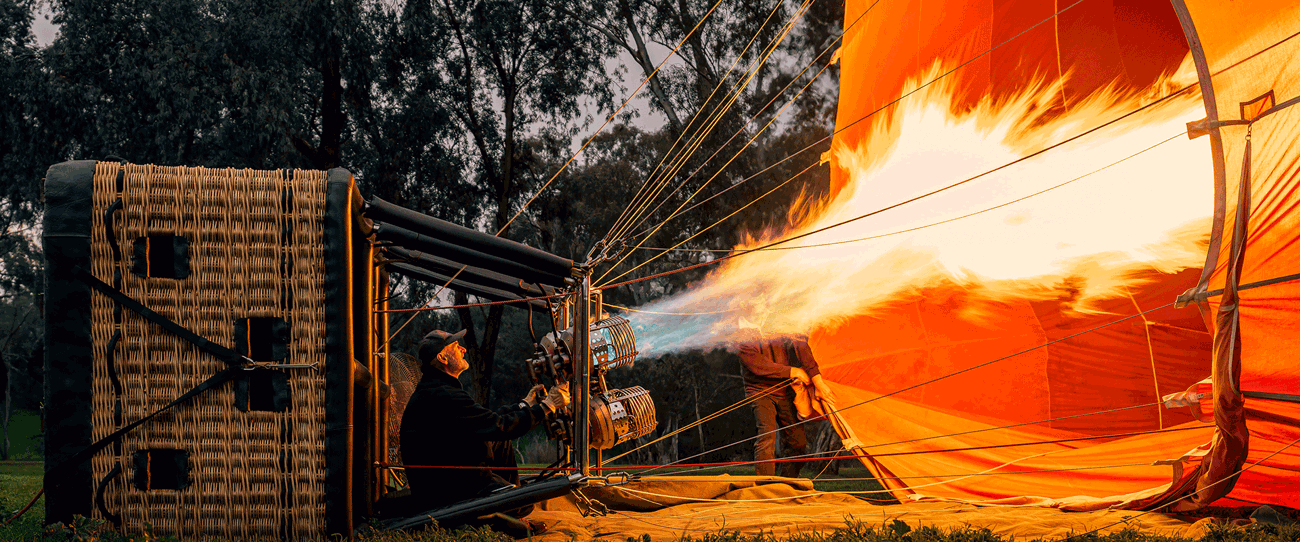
[435,341]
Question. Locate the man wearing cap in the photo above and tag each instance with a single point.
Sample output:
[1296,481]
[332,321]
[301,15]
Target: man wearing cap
[443,426]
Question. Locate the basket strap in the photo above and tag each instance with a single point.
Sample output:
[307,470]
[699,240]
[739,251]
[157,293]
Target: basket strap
[232,358]
[224,354]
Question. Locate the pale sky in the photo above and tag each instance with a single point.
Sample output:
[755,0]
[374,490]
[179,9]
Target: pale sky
[42,27]
[46,31]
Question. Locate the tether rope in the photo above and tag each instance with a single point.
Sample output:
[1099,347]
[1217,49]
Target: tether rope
[741,508]
[913,91]
[1232,476]
[828,48]
[933,380]
[816,455]
[723,168]
[710,226]
[957,477]
[622,308]
[664,527]
[901,203]
[747,400]
[941,222]
[740,86]
[1007,473]
[636,199]
[466,305]
[566,163]
[424,306]
[612,116]
[680,162]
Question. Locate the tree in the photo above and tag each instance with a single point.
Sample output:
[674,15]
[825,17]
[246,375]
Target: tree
[717,56]
[214,82]
[515,64]
[24,144]
[463,109]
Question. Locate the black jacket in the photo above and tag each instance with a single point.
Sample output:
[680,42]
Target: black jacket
[442,425]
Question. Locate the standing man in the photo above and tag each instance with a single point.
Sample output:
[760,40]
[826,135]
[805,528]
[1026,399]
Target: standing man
[443,426]
[769,360]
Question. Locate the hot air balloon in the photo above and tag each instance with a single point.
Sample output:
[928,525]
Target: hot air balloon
[1026,399]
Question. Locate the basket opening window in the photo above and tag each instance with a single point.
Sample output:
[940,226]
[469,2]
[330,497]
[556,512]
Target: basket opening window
[262,338]
[162,256]
[162,469]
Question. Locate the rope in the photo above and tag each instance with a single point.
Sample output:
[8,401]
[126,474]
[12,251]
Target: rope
[876,491]
[1036,471]
[829,461]
[383,465]
[423,306]
[636,198]
[769,246]
[570,160]
[825,50]
[24,510]
[1189,495]
[696,234]
[665,527]
[933,380]
[770,390]
[805,458]
[732,97]
[968,215]
[668,313]
[919,88]
[815,455]
[467,305]
[611,117]
[717,117]
[717,173]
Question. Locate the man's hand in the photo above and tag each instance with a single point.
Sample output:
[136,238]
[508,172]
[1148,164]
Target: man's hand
[537,391]
[557,398]
[799,375]
[823,391]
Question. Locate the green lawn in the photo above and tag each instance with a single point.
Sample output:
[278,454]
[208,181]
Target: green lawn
[19,482]
[24,436]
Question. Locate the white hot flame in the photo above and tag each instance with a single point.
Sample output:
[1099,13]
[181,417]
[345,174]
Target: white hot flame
[1130,211]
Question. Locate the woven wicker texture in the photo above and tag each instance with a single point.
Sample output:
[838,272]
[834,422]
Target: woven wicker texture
[404,374]
[255,250]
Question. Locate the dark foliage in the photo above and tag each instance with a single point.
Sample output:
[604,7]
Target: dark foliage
[463,109]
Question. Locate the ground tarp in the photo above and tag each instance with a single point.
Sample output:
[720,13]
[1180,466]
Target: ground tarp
[674,507]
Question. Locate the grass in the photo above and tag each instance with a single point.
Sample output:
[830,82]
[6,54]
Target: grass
[20,481]
[25,436]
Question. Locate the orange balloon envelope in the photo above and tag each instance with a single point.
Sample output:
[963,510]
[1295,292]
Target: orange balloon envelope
[1034,402]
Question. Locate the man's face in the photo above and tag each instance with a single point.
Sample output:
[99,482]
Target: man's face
[759,310]
[455,354]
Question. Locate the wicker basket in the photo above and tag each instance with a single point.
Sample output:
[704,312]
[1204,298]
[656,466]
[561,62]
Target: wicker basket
[259,261]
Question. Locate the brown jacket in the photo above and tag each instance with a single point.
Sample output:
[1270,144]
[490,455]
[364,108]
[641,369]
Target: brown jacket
[765,359]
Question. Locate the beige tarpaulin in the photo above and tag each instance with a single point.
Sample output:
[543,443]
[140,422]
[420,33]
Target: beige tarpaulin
[673,507]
